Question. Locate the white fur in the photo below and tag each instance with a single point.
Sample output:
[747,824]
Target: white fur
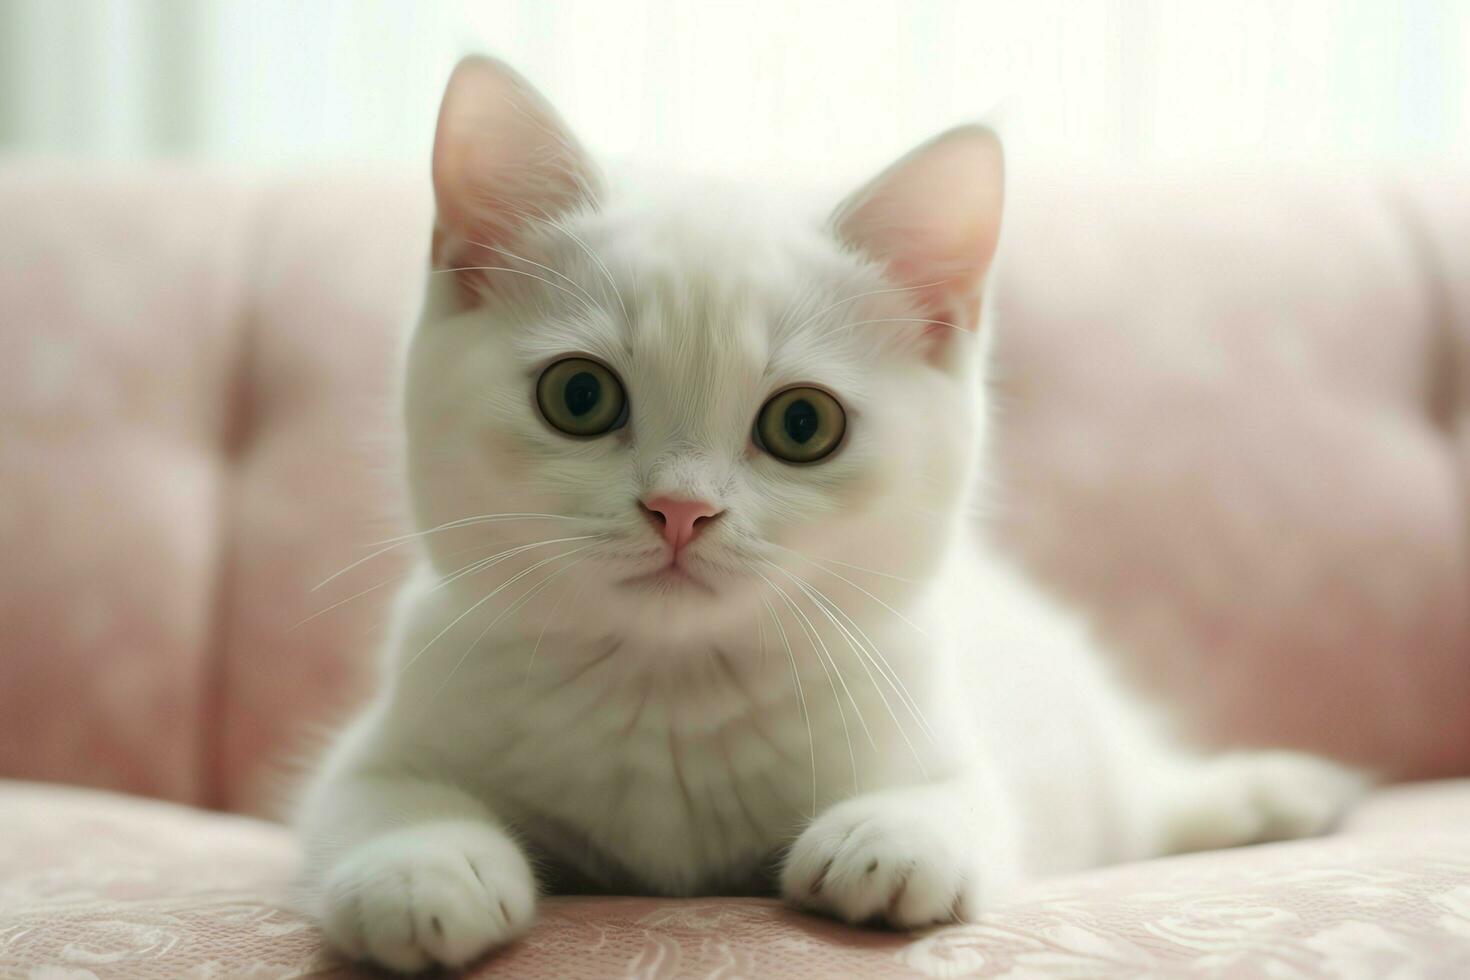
[871,712]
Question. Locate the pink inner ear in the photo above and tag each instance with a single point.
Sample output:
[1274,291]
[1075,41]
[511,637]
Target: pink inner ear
[933,219]
[502,158]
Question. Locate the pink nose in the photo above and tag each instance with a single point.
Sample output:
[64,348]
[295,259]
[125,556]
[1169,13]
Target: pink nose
[679,520]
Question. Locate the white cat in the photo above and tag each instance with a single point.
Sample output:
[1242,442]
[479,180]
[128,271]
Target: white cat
[702,608]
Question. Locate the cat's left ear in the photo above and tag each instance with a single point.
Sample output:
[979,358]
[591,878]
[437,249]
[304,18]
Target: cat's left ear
[933,220]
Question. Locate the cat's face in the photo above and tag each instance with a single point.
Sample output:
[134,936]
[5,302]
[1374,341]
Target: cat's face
[686,402]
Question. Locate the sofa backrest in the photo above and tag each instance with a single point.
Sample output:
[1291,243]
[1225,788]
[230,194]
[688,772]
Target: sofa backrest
[1238,430]
[1232,426]
[196,426]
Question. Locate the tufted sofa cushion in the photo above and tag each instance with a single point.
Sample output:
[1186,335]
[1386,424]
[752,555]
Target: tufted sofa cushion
[196,423]
[1232,425]
[120,309]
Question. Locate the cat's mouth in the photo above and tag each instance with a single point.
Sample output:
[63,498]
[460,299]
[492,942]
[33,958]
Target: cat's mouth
[671,577]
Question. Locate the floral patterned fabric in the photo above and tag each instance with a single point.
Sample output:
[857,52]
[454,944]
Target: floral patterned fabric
[100,886]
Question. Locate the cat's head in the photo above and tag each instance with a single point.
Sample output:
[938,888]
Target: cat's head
[684,401]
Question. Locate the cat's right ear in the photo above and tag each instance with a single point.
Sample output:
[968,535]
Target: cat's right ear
[502,160]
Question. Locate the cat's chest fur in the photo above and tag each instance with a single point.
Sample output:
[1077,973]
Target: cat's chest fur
[695,767]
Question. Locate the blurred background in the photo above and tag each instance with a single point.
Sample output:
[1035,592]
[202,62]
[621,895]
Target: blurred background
[732,86]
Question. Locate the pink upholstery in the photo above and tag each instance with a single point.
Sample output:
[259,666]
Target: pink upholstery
[194,409]
[1236,425]
[1233,426]
[95,885]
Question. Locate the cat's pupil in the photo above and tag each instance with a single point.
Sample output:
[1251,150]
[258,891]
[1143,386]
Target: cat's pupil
[581,393]
[801,420]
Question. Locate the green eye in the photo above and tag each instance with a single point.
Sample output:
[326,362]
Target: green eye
[800,425]
[581,397]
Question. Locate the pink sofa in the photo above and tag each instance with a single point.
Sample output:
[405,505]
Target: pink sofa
[1235,424]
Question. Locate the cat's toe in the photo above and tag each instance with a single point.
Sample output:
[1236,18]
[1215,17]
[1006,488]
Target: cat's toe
[1300,795]
[867,862]
[425,896]
[1254,797]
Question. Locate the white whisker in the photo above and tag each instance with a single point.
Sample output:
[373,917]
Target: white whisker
[587,249]
[518,272]
[496,559]
[389,581]
[388,544]
[520,602]
[854,298]
[822,601]
[492,594]
[806,717]
[885,668]
[890,319]
[819,647]
[478,519]
[343,602]
[843,564]
[591,302]
[902,618]
[531,662]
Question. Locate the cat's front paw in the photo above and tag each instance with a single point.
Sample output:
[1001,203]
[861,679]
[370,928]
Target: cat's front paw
[894,858]
[441,893]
